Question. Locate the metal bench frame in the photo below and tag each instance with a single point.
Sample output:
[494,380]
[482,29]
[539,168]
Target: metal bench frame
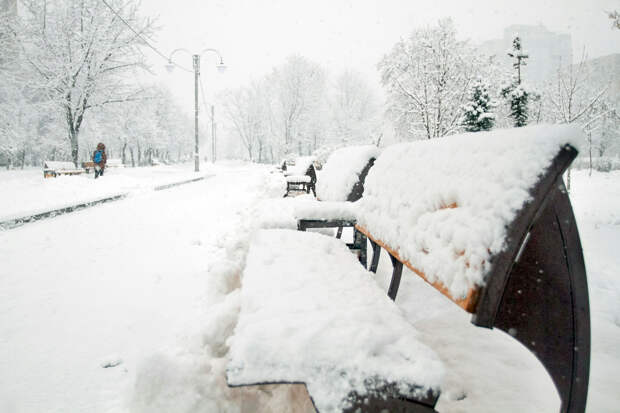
[305,186]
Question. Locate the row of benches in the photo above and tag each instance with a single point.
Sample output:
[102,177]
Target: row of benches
[483,218]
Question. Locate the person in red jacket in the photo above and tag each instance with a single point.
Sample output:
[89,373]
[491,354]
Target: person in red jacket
[99,158]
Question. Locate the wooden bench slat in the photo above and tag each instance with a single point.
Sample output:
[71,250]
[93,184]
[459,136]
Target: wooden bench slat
[468,303]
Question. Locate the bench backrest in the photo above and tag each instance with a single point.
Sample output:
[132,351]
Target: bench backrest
[343,175]
[485,218]
[445,205]
[59,166]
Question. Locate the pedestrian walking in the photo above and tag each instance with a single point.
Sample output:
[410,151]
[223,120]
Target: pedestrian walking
[99,158]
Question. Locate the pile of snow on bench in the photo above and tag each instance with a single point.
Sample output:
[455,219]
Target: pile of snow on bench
[311,314]
[341,171]
[443,205]
[301,166]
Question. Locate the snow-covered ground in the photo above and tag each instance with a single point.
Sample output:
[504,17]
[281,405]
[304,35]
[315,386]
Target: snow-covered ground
[27,192]
[149,284]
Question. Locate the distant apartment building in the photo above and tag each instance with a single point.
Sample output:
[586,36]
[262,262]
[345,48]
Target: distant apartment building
[547,50]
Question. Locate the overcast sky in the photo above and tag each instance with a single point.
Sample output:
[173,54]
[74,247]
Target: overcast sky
[255,35]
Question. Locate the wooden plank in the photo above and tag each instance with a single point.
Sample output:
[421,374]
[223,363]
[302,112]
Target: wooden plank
[468,303]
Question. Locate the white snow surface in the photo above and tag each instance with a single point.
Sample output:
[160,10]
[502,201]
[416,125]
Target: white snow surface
[310,313]
[342,170]
[27,192]
[165,298]
[487,175]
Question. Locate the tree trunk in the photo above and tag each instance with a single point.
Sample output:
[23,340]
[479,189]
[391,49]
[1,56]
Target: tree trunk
[123,153]
[133,160]
[75,148]
[590,150]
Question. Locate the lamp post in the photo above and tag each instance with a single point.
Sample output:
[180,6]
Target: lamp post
[196,65]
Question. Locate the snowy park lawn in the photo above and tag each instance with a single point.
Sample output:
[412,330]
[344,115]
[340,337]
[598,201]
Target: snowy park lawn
[27,192]
[135,316]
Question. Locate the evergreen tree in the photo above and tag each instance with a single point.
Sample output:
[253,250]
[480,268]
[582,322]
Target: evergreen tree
[515,93]
[477,112]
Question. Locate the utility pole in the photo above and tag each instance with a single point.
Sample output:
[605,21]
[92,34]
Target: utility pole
[212,133]
[196,75]
[196,59]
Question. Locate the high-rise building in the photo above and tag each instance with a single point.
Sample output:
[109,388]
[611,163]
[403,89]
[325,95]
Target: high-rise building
[547,50]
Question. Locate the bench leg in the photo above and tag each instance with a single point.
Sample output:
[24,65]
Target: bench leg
[376,253]
[359,243]
[396,274]
[545,303]
[339,233]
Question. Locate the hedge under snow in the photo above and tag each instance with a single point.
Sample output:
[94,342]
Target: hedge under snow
[342,171]
[411,191]
[310,313]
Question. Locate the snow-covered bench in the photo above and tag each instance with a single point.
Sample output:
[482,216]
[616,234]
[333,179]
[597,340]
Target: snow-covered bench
[55,168]
[301,176]
[484,218]
[311,314]
[340,181]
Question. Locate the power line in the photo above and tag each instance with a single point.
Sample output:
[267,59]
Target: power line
[167,59]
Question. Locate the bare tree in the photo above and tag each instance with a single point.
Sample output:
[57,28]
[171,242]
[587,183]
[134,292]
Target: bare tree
[299,89]
[571,97]
[354,108]
[246,108]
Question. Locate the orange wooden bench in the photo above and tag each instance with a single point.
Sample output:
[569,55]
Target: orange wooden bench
[535,288]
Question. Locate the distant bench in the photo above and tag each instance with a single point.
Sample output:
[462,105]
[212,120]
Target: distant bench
[341,180]
[300,176]
[489,225]
[56,168]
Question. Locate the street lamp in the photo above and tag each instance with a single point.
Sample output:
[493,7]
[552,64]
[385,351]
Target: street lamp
[221,67]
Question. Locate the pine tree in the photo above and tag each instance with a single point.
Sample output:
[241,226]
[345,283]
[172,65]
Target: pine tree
[517,95]
[477,112]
